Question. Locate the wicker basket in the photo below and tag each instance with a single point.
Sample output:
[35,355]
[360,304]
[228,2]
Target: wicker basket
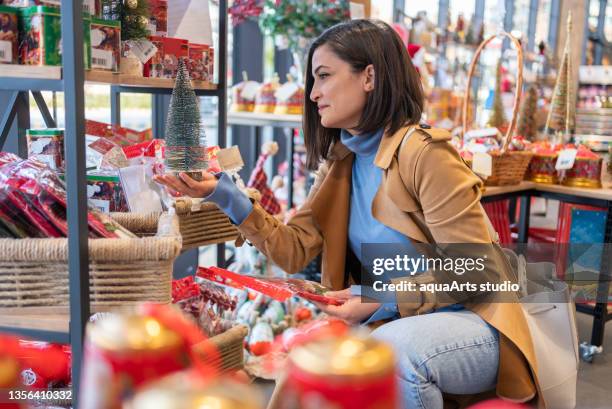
[509,167]
[230,345]
[34,272]
[202,224]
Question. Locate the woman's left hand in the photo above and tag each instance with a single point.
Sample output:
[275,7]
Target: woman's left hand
[353,311]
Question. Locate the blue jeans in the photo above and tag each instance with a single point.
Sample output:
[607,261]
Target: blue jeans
[454,352]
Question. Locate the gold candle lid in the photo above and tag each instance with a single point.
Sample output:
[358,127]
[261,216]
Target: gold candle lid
[9,372]
[130,332]
[184,391]
[349,356]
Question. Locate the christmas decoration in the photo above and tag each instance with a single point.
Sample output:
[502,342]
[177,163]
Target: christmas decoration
[47,145]
[289,98]
[197,62]
[527,126]
[265,99]
[498,118]
[8,35]
[259,180]
[243,94]
[561,115]
[158,20]
[185,139]
[135,20]
[297,21]
[165,62]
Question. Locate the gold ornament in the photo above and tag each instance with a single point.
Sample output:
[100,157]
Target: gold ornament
[132,4]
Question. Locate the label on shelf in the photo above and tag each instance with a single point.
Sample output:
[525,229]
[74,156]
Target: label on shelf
[102,59]
[566,159]
[6,51]
[482,164]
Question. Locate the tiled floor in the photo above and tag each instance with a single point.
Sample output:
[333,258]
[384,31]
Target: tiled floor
[595,379]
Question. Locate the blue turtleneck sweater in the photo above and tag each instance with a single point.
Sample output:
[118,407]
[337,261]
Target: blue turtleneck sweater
[363,227]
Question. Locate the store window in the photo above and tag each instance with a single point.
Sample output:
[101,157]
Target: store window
[412,8]
[520,19]
[494,16]
[542,22]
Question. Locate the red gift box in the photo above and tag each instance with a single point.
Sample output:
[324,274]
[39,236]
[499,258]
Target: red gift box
[158,19]
[197,63]
[164,64]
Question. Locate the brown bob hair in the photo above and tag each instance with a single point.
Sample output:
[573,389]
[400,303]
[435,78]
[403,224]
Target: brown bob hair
[397,98]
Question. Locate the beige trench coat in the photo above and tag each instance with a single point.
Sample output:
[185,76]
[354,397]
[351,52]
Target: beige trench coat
[429,194]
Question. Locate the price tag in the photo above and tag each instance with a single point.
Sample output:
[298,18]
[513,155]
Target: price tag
[566,159]
[102,59]
[142,49]
[286,91]
[250,90]
[230,159]
[482,164]
[6,51]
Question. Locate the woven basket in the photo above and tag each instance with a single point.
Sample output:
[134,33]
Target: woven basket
[509,167]
[34,272]
[230,345]
[202,224]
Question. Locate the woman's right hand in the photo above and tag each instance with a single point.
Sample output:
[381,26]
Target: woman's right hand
[188,186]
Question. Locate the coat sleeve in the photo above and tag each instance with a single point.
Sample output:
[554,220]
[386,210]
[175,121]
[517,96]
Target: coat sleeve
[449,194]
[293,245]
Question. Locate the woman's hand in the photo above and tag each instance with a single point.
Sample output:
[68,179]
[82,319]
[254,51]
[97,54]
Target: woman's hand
[188,186]
[353,311]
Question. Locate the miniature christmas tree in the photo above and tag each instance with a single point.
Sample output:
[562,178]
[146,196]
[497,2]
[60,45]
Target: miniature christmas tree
[527,126]
[185,139]
[498,118]
[561,115]
[134,20]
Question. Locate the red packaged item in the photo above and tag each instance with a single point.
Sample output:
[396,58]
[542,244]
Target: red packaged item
[150,149]
[7,157]
[278,288]
[213,163]
[44,365]
[164,64]
[118,134]
[196,65]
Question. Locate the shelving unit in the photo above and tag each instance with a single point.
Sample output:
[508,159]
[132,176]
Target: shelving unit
[259,120]
[70,327]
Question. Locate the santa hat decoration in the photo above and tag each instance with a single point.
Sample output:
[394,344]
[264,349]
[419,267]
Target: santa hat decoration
[417,55]
[259,179]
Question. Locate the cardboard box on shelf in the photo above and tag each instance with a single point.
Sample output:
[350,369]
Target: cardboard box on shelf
[105,44]
[164,63]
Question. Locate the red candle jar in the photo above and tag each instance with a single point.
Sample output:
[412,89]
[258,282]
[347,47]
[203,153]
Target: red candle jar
[343,373]
[191,390]
[586,171]
[124,351]
[542,165]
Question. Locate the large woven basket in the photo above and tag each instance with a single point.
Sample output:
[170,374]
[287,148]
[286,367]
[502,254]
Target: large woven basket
[509,167]
[230,346]
[203,223]
[34,272]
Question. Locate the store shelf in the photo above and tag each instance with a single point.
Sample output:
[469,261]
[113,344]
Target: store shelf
[258,119]
[30,78]
[35,78]
[43,327]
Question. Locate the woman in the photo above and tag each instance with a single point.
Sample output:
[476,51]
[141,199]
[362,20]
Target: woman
[385,179]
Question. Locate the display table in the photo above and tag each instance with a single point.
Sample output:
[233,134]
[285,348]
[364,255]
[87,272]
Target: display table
[591,197]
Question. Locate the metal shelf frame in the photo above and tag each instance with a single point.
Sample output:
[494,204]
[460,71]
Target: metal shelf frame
[74,145]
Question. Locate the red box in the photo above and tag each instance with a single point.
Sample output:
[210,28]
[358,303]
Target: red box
[158,20]
[211,64]
[198,70]
[164,64]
